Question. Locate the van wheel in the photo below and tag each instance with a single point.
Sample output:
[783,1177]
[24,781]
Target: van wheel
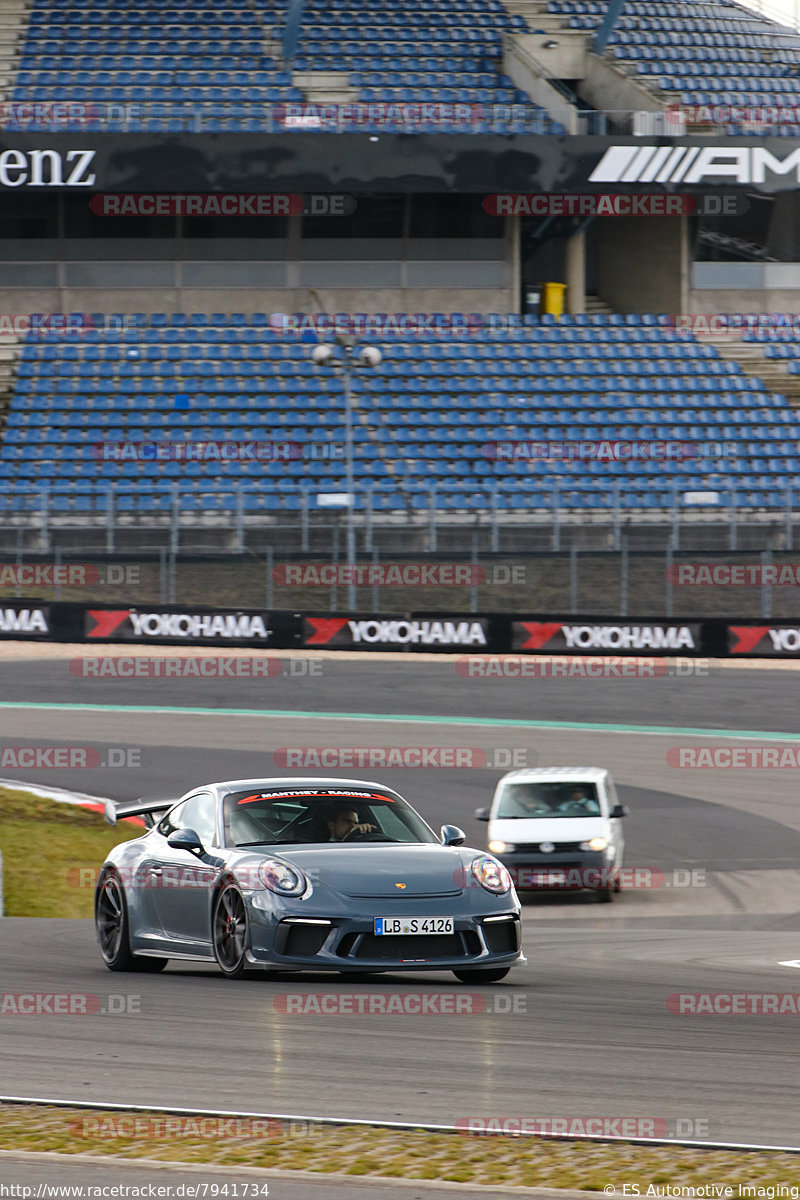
[606,894]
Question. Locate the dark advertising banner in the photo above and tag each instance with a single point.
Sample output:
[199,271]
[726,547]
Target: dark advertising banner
[421,633]
[189,624]
[764,640]
[93,163]
[604,635]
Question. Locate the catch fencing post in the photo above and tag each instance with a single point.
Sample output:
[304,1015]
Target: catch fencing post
[44,536]
[668,595]
[623,577]
[270,561]
[304,503]
[238,534]
[432,519]
[573,579]
[334,600]
[473,590]
[376,597]
[676,518]
[789,517]
[617,516]
[556,515]
[766,588]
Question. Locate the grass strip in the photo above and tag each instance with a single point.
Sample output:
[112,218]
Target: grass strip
[416,1154]
[51,854]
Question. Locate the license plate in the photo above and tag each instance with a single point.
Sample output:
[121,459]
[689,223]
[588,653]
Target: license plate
[385,926]
[549,878]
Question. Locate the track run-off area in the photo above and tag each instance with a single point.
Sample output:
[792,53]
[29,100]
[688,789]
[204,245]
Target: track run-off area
[591,1028]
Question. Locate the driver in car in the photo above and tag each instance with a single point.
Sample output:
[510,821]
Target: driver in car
[578,798]
[345,824]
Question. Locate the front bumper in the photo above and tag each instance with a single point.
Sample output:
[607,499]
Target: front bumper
[345,944]
[569,871]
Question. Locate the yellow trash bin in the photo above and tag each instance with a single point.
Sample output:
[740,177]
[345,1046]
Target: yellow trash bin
[553,299]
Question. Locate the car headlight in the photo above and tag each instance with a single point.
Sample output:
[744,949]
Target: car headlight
[491,874]
[279,877]
[598,843]
[501,847]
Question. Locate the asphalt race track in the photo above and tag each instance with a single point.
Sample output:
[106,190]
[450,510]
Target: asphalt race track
[583,1031]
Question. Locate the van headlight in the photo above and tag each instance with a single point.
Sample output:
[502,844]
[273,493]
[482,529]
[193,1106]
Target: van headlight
[491,874]
[598,843]
[501,847]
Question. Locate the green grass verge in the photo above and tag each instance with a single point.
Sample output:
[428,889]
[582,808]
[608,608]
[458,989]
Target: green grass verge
[51,854]
[351,1150]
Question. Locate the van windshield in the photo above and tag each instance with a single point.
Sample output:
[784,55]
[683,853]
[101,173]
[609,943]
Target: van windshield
[528,799]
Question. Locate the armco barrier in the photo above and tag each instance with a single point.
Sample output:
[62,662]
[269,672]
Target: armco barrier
[415,632]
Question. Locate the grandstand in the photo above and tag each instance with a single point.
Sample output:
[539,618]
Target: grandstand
[703,54]
[421,112]
[478,421]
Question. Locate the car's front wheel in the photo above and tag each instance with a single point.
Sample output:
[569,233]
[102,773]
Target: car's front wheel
[473,975]
[229,931]
[113,928]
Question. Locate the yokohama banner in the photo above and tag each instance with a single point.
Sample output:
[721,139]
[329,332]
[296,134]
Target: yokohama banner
[203,626]
[603,635]
[25,619]
[764,641]
[415,632]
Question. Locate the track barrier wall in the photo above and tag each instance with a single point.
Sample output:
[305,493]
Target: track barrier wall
[409,632]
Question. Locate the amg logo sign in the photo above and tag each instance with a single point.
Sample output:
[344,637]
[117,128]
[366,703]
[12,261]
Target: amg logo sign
[692,164]
[47,168]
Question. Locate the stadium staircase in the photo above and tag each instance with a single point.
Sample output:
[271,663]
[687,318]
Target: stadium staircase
[14,16]
[759,361]
[696,53]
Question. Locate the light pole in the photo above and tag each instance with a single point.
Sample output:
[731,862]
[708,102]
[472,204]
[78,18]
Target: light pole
[350,358]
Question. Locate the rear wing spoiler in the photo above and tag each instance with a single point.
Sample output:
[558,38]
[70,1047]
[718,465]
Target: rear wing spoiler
[149,809]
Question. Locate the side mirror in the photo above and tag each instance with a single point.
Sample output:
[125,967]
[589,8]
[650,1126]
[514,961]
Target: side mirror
[482,814]
[619,810]
[185,839]
[451,835]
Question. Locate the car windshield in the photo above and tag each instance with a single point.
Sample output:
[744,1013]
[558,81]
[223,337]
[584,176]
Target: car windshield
[302,816]
[529,799]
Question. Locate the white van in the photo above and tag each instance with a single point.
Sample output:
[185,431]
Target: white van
[558,827]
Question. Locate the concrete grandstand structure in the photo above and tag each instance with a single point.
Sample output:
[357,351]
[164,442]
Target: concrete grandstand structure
[385,138]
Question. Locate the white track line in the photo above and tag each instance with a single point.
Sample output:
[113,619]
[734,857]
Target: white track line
[367,1124]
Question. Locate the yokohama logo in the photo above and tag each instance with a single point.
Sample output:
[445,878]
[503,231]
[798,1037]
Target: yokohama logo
[692,164]
[555,635]
[127,624]
[339,631]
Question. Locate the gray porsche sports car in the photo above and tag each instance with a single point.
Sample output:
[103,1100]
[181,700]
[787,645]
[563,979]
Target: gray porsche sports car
[303,874]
